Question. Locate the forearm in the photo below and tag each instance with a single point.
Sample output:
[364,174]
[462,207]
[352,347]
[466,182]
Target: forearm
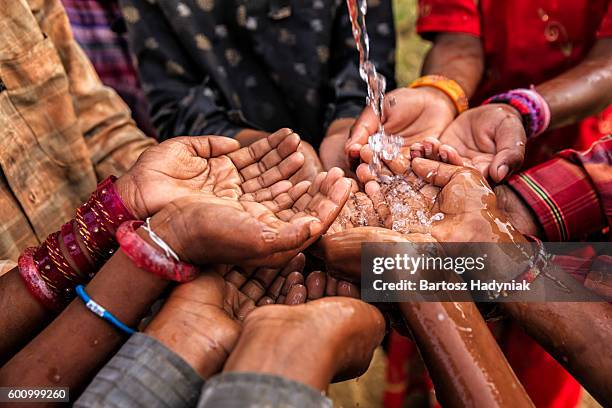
[78,342]
[458,57]
[22,315]
[583,90]
[575,333]
[455,342]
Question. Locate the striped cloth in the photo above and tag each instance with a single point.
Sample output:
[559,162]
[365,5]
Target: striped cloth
[571,194]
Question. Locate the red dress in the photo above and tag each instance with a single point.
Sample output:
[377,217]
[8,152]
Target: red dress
[526,42]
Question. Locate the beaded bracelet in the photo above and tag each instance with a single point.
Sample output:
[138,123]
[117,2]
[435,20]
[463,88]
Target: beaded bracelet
[101,312]
[49,276]
[534,110]
[451,88]
[537,263]
[163,264]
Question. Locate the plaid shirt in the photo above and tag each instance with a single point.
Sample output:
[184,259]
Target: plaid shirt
[61,130]
[571,194]
[99,28]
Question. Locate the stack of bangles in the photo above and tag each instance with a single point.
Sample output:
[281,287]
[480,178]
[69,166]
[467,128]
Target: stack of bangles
[533,108]
[70,257]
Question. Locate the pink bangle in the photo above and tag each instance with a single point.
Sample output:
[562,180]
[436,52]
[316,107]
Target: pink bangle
[74,249]
[37,287]
[144,256]
[60,262]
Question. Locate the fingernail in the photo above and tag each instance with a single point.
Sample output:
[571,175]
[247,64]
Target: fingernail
[502,171]
[444,156]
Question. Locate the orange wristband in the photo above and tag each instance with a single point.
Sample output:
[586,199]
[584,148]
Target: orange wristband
[451,88]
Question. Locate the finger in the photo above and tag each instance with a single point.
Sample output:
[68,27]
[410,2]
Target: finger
[207,146]
[431,145]
[259,283]
[417,150]
[434,172]
[296,296]
[401,164]
[366,125]
[275,288]
[330,287]
[294,278]
[347,289]
[510,141]
[450,155]
[315,283]
[283,171]
[236,276]
[327,207]
[287,200]
[296,264]
[254,152]
[266,300]
[379,202]
[365,173]
[268,193]
[296,234]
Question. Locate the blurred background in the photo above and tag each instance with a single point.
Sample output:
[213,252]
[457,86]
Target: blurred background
[410,48]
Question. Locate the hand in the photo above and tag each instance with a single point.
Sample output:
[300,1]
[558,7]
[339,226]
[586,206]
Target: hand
[491,138]
[519,214]
[311,167]
[202,319]
[342,334]
[413,113]
[208,165]
[265,228]
[332,151]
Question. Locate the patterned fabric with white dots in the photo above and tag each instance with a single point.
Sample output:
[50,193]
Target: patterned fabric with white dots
[219,66]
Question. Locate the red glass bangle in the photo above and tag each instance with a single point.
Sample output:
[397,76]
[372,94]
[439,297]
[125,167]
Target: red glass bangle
[146,257]
[55,252]
[111,206]
[74,249]
[52,276]
[37,287]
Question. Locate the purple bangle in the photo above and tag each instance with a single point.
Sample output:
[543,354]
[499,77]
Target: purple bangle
[534,110]
[54,279]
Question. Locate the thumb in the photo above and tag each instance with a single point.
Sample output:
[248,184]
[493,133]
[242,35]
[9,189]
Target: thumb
[510,141]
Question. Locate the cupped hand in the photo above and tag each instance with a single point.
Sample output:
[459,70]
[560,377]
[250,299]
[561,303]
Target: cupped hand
[490,138]
[469,205]
[209,165]
[202,319]
[264,228]
[411,113]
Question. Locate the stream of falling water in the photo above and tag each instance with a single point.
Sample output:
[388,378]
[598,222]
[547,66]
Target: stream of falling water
[383,146]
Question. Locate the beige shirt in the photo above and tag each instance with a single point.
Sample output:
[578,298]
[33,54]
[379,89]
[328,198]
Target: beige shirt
[61,130]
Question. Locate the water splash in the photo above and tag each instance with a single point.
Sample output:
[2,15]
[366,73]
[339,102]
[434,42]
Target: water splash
[383,146]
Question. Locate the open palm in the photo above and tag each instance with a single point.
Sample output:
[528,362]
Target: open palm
[251,230]
[210,165]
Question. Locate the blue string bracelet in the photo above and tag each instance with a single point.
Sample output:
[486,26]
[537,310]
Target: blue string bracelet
[101,312]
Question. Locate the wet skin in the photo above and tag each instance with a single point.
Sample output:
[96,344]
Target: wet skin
[575,333]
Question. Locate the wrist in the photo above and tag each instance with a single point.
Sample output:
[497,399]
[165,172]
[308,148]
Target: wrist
[128,191]
[451,89]
[517,211]
[187,330]
[441,98]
